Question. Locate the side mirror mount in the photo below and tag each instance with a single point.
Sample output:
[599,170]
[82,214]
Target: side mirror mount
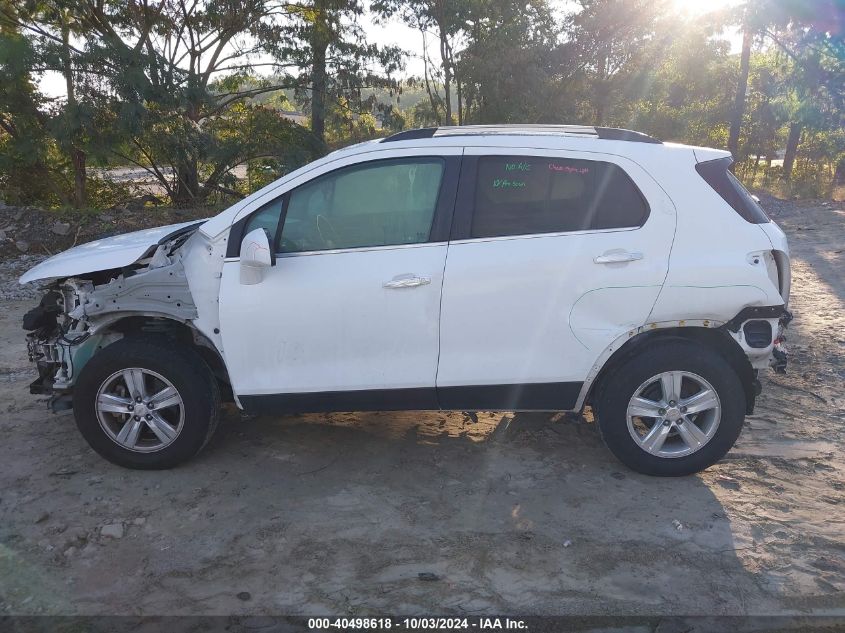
[256,256]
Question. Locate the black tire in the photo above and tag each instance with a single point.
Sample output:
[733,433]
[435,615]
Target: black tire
[180,365]
[677,354]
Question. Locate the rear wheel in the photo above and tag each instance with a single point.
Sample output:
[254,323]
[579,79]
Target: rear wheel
[146,403]
[674,409]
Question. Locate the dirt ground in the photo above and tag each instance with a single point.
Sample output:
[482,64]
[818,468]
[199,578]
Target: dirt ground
[514,513]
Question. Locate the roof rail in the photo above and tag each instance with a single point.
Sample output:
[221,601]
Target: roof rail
[516,129]
[410,135]
[619,134]
[605,133]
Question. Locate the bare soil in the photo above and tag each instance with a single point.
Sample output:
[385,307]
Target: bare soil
[509,513]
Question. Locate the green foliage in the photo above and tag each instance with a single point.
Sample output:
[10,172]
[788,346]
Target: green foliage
[524,88]
[24,142]
[193,92]
[104,193]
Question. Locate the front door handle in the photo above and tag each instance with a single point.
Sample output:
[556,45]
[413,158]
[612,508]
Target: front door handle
[617,257]
[407,281]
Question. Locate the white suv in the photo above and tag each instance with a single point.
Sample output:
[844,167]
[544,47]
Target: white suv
[538,268]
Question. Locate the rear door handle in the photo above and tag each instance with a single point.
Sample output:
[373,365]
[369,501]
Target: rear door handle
[617,257]
[407,281]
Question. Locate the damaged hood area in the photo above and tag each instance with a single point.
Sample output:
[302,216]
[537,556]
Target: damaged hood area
[108,253]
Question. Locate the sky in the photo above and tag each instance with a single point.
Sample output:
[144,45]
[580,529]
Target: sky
[395,32]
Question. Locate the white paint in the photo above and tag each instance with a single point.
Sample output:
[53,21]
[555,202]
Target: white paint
[518,309]
[538,308]
[325,321]
[711,275]
[104,254]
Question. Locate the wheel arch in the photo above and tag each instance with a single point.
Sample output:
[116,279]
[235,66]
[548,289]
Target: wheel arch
[176,330]
[708,337]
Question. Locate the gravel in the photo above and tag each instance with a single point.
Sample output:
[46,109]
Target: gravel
[10,271]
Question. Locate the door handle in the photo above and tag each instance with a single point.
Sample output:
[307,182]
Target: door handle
[407,281]
[617,257]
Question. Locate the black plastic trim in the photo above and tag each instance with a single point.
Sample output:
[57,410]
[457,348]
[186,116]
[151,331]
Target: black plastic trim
[550,396]
[756,312]
[277,237]
[715,173]
[605,133]
[416,399]
[442,222]
[619,134]
[185,229]
[410,135]
[553,396]
[465,200]
[236,234]
[758,333]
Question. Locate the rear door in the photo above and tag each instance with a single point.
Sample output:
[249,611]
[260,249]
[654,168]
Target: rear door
[554,255]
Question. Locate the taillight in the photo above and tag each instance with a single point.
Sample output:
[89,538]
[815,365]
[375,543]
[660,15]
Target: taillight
[784,274]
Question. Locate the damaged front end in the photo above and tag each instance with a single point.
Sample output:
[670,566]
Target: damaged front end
[74,318]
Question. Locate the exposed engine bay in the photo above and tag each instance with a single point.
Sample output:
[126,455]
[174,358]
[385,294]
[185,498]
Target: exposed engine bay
[74,318]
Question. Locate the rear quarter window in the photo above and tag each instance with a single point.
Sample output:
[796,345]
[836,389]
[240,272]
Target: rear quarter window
[522,195]
[717,174]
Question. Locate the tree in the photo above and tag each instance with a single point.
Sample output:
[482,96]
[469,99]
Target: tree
[442,19]
[56,24]
[769,18]
[170,71]
[684,94]
[610,41]
[508,64]
[741,88]
[326,44]
[24,142]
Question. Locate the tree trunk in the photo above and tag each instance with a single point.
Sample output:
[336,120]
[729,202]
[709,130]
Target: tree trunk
[458,95]
[431,98]
[187,185]
[80,193]
[319,77]
[77,155]
[791,149]
[600,87]
[741,87]
[447,72]
[839,174]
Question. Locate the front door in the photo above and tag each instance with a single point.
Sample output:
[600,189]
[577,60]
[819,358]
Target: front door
[556,254]
[348,317]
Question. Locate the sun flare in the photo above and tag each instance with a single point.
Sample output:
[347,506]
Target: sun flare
[700,7]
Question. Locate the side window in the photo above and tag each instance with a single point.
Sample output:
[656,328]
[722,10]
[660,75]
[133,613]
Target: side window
[382,203]
[267,218]
[717,174]
[521,195]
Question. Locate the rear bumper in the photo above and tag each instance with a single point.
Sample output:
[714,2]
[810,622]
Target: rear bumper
[761,333]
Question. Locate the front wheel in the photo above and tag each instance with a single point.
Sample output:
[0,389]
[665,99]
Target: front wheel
[674,409]
[146,403]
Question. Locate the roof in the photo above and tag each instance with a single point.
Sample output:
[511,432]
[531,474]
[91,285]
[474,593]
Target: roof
[581,131]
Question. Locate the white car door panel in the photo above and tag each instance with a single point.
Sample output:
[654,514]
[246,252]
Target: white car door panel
[525,310]
[331,327]
[327,322]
